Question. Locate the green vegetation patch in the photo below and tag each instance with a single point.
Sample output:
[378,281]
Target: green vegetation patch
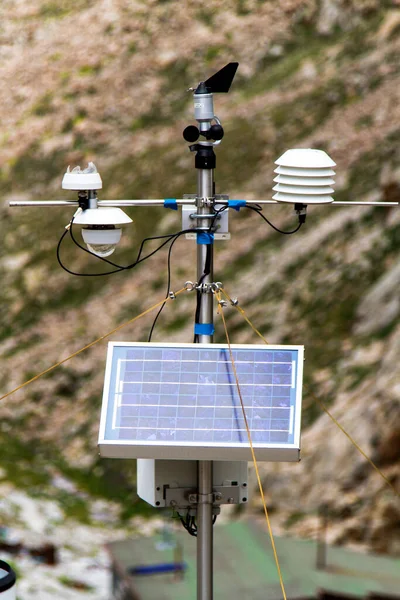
[30,463]
[299,118]
[170,101]
[75,584]
[86,70]
[61,8]
[44,105]
[293,519]
[304,43]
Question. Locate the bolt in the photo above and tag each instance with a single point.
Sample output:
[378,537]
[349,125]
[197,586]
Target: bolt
[231,501]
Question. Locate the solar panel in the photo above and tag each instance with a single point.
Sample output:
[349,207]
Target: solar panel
[180,401]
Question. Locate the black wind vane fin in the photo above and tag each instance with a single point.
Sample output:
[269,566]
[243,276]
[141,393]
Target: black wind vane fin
[220,82]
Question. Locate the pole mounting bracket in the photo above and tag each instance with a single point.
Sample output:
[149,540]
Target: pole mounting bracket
[221,494]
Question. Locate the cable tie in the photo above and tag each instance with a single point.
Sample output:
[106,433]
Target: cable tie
[170,203]
[205,238]
[236,204]
[204,328]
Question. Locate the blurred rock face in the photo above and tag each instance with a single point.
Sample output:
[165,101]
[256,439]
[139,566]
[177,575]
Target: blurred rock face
[105,81]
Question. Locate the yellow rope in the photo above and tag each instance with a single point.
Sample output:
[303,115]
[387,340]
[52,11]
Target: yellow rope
[322,405]
[220,311]
[106,335]
[361,451]
[241,311]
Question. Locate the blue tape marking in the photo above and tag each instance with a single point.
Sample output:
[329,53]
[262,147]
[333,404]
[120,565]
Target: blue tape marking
[153,569]
[204,237]
[170,203]
[204,328]
[236,204]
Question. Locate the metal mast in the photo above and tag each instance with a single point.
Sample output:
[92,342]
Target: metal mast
[209,127]
[205,192]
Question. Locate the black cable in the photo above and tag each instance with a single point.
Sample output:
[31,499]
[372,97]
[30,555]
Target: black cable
[256,208]
[253,208]
[106,272]
[215,217]
[158,237]
[189,523]
[74,272]
[138,259]
[207,270]
[119,268]
[168,287]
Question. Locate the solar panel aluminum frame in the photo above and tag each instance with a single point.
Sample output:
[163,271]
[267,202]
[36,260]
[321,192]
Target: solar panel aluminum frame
[178,450]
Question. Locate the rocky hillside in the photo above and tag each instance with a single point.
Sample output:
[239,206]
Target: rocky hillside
[105,80]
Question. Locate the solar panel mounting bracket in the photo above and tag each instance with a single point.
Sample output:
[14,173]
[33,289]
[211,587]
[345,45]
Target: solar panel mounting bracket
[184,498]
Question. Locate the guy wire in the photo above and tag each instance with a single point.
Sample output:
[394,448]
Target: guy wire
[319,402]
[100,339]
[271,535]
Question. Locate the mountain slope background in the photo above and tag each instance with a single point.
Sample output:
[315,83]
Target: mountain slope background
[106,80]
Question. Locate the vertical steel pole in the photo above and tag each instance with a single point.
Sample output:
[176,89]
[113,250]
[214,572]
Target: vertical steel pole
[205,189]
[321,537]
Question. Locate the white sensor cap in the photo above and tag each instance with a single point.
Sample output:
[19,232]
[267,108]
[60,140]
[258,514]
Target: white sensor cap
[80,180]
[305,158]
[102,216]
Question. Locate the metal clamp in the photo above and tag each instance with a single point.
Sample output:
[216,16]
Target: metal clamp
[208,201]
[213,498]
[188,497]
[197,216]
[204,288]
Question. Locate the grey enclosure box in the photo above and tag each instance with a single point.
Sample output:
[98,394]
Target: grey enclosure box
[159,480]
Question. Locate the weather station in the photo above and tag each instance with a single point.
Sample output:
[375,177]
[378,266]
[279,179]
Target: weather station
[194,414]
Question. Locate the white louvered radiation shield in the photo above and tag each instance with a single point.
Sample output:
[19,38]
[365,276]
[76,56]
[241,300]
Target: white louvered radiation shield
[304,176]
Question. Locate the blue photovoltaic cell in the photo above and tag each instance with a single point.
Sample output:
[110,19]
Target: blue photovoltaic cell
[189,394]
